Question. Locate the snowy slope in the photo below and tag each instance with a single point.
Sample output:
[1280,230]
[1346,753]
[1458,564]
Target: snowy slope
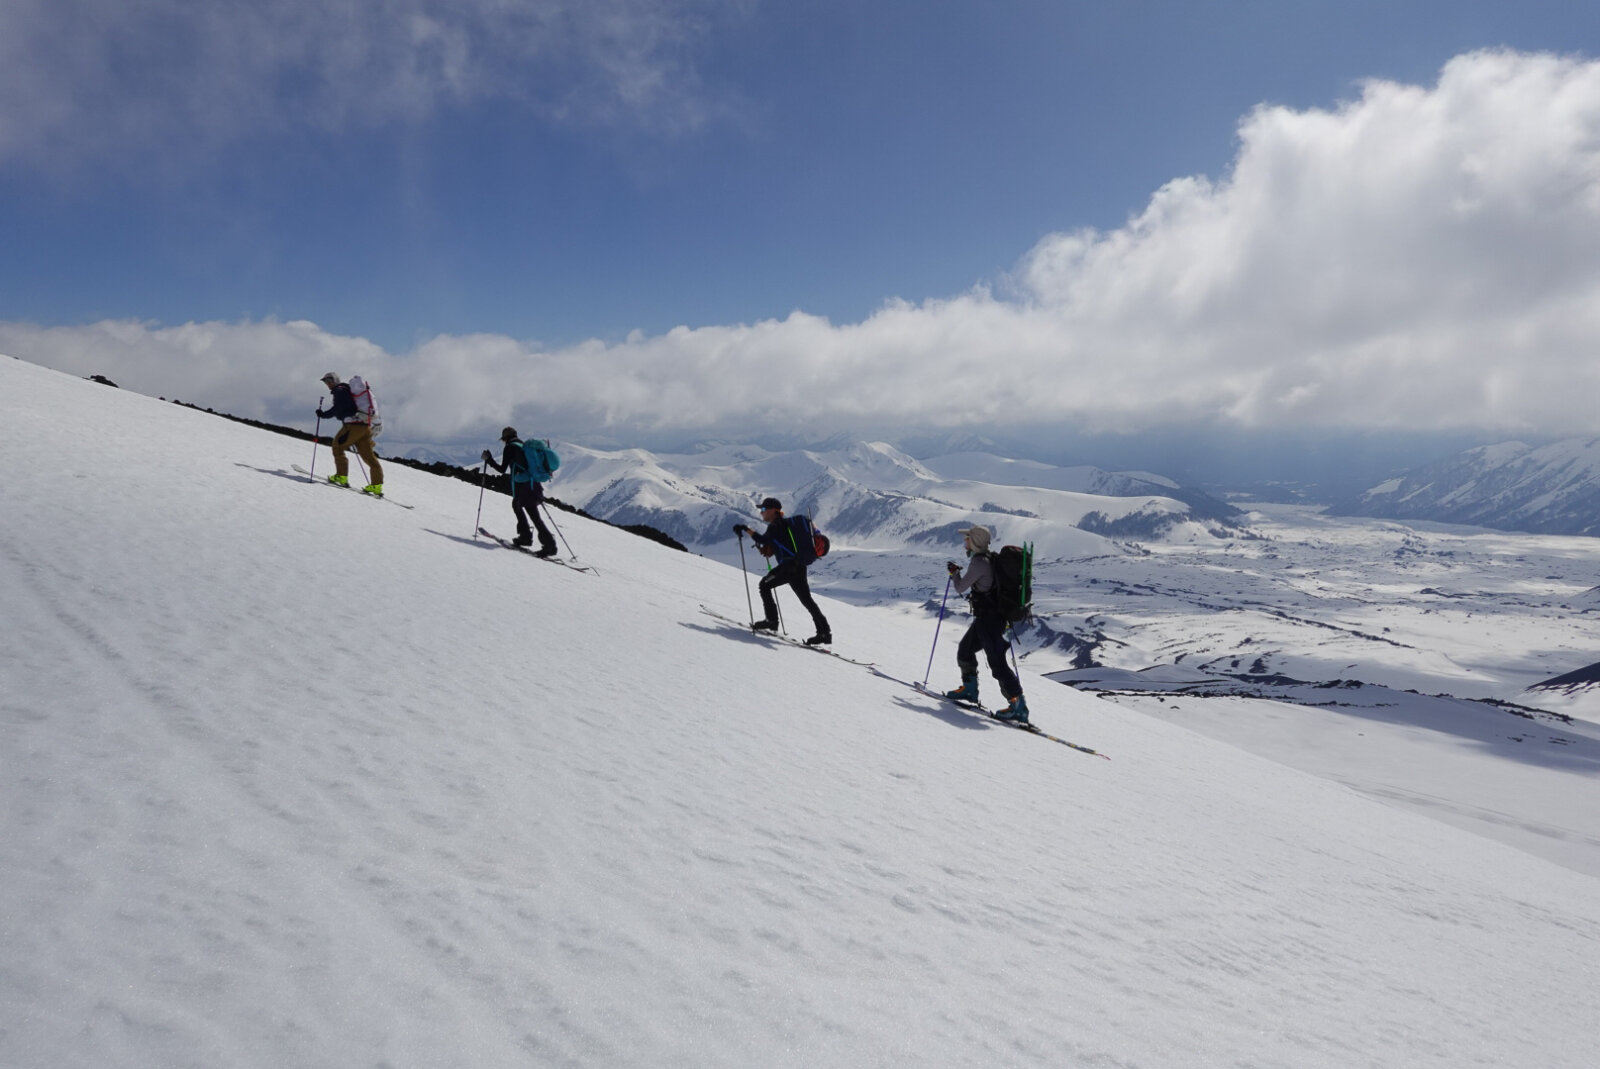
[1523,776]
[1575,693]
[293,777]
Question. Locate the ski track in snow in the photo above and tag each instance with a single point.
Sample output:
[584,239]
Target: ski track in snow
[290,779]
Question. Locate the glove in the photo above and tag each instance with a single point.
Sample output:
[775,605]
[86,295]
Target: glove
[952,567]
[487,457]
[739,528]
[321,414]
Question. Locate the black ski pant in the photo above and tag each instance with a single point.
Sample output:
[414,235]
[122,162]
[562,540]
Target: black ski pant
[988,633]
[793,573]
[525,500]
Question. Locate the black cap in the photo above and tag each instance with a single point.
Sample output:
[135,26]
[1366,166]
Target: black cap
[771,503]
[509,434]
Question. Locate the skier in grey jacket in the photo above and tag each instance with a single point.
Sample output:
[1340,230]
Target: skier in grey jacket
[988,630]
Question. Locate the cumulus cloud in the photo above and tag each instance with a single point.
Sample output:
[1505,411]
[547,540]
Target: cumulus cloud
[96,80]
[1422,258]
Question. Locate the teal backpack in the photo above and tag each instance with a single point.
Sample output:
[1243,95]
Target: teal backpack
[542,462]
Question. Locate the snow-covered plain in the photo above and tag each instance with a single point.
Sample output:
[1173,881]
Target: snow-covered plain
[292,777]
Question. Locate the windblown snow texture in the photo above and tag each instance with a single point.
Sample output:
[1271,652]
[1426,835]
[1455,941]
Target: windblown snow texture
[290,779]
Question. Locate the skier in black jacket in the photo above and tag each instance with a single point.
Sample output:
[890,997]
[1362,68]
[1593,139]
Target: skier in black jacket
[355,433]
[794,552]
[527,493]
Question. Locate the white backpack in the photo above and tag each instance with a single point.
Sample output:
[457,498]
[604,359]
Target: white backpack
[366,404]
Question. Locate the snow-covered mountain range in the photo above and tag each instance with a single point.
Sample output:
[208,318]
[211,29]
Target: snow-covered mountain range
[871,495]
[294,777]
[1550,489]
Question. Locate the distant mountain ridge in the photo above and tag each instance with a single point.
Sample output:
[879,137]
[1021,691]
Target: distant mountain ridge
[871,494]
[1511,486]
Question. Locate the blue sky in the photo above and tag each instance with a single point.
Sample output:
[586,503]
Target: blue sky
[430,181]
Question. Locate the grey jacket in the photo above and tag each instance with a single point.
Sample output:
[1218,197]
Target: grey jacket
[978,577]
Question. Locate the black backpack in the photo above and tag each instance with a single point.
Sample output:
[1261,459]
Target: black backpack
[1013,581]
[810,543]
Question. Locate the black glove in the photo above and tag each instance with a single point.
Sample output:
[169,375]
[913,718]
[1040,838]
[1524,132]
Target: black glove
[739,528]
[487,457]
[952,567]
[321,414]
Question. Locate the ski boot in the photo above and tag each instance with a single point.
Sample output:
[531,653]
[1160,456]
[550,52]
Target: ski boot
[375,489]
[967,691]
[523,540]
[1016,712]
[764,625]
[821,638]
[339,480]
[545,550]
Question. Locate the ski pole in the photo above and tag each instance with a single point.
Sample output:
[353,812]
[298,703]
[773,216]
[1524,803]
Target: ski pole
[746,570]
[549,514]
[929,673]
[483,478]
[316,438]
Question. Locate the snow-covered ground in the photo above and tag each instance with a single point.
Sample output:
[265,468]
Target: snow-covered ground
[293,777]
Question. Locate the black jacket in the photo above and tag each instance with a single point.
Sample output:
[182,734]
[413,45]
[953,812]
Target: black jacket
[512,459]
[344,405]
[782,538]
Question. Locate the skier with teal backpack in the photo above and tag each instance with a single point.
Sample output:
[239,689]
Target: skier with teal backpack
[988,582]
[531,463]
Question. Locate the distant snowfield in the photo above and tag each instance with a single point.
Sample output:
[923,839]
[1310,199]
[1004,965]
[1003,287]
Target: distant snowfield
[292,777]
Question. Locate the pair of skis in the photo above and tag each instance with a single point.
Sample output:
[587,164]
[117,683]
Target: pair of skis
[779,638]
[353,489]
[974,707]
[530,552]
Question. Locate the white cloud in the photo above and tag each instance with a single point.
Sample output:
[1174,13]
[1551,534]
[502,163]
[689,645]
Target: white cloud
[1418,258]
[98,80]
